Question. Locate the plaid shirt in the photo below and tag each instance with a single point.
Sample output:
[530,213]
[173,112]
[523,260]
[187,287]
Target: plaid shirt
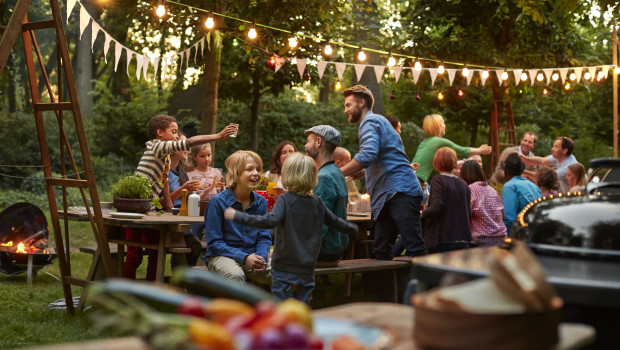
[487,215]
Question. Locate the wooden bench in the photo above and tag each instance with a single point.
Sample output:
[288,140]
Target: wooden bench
[349,267]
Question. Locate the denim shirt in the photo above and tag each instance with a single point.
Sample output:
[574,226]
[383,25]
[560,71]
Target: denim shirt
[383,155]
[174,182]
[230,239]
[516,194]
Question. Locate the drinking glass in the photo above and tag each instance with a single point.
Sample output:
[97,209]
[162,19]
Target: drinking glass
[198,185]
[354,195]
[237,125]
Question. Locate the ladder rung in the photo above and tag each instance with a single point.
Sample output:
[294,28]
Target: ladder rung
[38,25]
[506,144]
[68,183]
[58,106]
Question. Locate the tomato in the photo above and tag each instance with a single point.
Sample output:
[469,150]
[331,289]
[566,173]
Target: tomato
[192,306]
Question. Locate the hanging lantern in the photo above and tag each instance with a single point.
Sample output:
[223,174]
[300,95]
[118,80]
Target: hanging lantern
[209,23]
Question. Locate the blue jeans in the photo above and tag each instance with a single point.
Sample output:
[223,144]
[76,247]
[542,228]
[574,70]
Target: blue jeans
[286,285]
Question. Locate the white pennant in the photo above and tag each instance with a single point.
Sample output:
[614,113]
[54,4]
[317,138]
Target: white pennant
[164,67]
[155,66]
[279,63]
[118,50]
[70,5]
[129,54]
[517,73]
[320,66]
[95,30]
[483,80]
[187,57]
[451,75]
[532,73]
[106,46]
[605,71]
[84,21]
[340,69]
[145,65]
[499,76]
[592,71]
[578,72]
[397,71]
[301,66]
[433,72]
[548,74]
[563,73]
[469,76]
[196,45]
[202,45]
[359,70]
[181,60]
[416,75]
[379,72]
[139,61]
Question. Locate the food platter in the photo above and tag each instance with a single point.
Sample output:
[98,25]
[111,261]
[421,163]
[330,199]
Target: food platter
[329,328]
[123,215]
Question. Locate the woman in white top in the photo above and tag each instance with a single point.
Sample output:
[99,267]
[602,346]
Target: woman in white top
[576,177]
[283,150]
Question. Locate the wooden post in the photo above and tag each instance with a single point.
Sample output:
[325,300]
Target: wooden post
[615,92]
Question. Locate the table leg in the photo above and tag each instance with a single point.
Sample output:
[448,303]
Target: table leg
[161,256]
[120,260]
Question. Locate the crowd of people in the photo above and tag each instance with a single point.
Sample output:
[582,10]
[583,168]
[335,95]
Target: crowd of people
[462,210]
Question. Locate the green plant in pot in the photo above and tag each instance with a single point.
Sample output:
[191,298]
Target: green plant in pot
[132,193]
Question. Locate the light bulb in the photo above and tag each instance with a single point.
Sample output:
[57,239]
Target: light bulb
[572,76]
[338,86]
[555,76]
[485,74]
[617,70]
[461,93]
[252,33]
[294,60]
[161,10]
[540,77]
[417,65]
[391,61]
[465,71]
[440,96]
[361,55]
[441,68]
[567,86]
[328,49]
[292,42]
[601,75]
[505,75]
[209,23]
[524,76]
[587,76]
[545,92]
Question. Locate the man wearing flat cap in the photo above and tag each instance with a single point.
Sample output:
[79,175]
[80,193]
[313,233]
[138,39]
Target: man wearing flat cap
[518,191]
[331,188]
[395,193]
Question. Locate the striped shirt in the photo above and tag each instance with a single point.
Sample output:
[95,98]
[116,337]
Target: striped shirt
[487,215]
[154,159]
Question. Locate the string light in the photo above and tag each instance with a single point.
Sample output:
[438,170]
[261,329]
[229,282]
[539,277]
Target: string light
[391,61]
[600,75]
[617,70]
[161,9]
[523,76]
[328,49]
[272,61]
[485,73]
[465,71]
[555,76]
[252,32]
[361,55]
[505,75]
[393,95]
[338,85]
[292,42]
[440,96]
[461,93]
[540,77]
[567,86]
[587,76]
[572,76]
[545,92]
[294,60]
[417,66]
[209,23]
[441,69]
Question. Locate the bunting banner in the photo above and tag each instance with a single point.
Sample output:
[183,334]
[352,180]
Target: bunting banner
[320,66]
[70,6]
[592,71]
[301,67]
[340,69]
[451,75]
[279,63]
[499,76]
[433,72]
[578,72]
[483,80]
[416,75]
[563,73]
[517,73]
[469,76]
[397,71]
[359,70]
[548,74]
[379,72]
[532,73]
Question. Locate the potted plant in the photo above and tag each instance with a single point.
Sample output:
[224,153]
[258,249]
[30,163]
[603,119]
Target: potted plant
[132,193]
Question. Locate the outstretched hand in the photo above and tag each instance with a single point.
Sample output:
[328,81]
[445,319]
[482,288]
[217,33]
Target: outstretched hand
[229,213]
[228,130]
[486,149]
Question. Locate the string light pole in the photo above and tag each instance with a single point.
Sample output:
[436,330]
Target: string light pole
[615,90]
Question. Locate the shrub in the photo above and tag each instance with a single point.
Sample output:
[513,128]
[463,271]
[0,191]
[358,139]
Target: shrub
[132,186]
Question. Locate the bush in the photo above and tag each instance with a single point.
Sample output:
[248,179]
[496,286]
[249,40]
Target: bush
[132,186]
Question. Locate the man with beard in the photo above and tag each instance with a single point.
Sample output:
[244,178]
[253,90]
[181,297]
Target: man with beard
[395,195]
[331,188]
[528,142]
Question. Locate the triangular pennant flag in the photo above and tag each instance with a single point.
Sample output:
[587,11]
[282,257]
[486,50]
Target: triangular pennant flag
[563,73]
[187,57]
[301,66]
[416,75]
[483,80]
[139,59]
[84,20]
[320,66]
[145,65]
[181,55]
[397,71]
[592,71]
[279,62]
[95,30]
[155,66]
[359,70]
[106,46]
[517,73]
[70,5]
[196,45]
[202,45]
[451,75]
[605,71]
[164,67]
[340,69]
[548,74]
[433,72]
[118,50]
[469,76]
[499,76]
[532,73]
[379,72]
[129,54]
[578,72]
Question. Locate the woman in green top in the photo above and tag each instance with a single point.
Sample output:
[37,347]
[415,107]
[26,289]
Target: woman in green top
[435,128]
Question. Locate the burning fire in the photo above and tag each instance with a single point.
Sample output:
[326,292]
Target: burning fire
[21,248]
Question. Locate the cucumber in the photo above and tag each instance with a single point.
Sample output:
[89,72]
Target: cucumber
[158,298]
[212,285]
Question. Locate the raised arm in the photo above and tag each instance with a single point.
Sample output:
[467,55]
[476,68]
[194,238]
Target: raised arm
[202,139]
[534,160]
[483,149]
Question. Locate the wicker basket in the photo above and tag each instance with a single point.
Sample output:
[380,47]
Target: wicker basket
[133,205]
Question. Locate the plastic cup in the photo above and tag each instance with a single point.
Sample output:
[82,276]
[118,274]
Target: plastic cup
[237,125]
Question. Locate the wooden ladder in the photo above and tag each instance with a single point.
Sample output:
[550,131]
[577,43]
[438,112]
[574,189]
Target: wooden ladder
[501,122]
[19,23]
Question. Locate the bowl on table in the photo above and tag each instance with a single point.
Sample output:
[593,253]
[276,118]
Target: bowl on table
[175,211]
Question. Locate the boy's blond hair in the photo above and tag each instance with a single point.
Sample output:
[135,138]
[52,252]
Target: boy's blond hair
[432,125]
[235,164]
[299,174]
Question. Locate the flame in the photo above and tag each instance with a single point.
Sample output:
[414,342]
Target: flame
[8,244]
[21,248]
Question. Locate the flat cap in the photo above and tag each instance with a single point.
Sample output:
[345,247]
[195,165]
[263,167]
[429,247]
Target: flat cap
[329,133]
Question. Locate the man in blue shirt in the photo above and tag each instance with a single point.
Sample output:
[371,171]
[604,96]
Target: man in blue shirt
[561,157]
[395,193]
[517,191]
